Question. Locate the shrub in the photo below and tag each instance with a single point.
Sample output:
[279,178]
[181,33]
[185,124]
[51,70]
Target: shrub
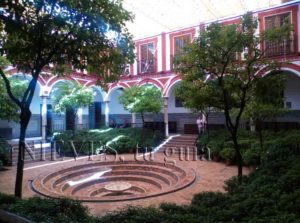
[228,154]
[252,155]
[50,210]
[124,145]
[4,152]
[100,137]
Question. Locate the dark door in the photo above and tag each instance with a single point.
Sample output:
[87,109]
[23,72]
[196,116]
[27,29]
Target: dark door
[95,115]
[70,119]
[49,121]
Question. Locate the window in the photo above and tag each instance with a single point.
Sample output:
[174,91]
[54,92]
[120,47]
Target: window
[147,58]
[180,42]
[178,103]
[283,46]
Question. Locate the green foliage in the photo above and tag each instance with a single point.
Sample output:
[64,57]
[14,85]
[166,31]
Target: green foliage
[271,194]
[227,153]
[141,99]
[71,95]
[215,77]
[125,145]
[68,32]
[71,33]
[267,100]
[8,109]
[46,210]
[131,138]
[4,152]
[277,144]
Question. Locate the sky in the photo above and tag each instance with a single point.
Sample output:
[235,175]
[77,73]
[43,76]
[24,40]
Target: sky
[155,16]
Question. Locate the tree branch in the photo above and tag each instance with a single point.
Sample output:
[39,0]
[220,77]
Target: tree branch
[8,89]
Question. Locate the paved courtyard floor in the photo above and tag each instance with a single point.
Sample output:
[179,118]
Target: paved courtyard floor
[210,176]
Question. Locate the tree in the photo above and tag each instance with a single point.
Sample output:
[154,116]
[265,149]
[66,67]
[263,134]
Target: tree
[67,34]
[141,99]
[195,100]
[10,111]
[267,101]
[71,95]
[213,61]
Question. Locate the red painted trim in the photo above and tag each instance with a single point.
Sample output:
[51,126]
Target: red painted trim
[40,80]
[117,84]
[145,41]
[170,85]
[51,82]
[236,21]
[151,81]
[191,32]
[294,12]
[291,66]
[163,51]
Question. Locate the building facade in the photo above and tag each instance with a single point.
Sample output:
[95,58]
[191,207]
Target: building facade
[153,66]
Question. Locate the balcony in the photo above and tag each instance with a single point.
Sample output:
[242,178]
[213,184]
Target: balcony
[146,66]
[282,47]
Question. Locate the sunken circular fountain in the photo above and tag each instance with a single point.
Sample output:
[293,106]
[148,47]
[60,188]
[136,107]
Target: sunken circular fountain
[114,181]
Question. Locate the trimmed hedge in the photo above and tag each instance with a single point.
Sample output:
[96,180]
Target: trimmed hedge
[4,152]
[46,210]
[131,137]
[222,147]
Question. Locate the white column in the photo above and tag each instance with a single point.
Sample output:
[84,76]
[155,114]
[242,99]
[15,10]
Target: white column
[44,117]
[133,120]
[80,118]
[106,113]
[166,116]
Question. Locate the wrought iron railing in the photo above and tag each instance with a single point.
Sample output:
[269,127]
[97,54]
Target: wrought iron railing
[146,66]
[279,47]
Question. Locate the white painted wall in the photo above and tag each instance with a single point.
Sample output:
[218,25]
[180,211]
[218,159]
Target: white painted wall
[292,91]
[171,103]
[36,101]
[114,105]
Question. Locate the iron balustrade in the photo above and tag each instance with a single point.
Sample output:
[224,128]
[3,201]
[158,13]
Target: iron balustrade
[280,47]
[146,66]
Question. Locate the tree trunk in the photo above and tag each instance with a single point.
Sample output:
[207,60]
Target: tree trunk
[24,120]
[143,121]
[238,157]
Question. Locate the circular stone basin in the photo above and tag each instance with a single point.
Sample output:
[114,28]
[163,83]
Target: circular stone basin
[118,186]
[114,181]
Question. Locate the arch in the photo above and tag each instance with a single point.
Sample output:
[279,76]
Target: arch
[111,91]
[113,88]
[53,81]
[93,85]
[292,68]
[169,87]
[151,81]
[98,90]
[40,82]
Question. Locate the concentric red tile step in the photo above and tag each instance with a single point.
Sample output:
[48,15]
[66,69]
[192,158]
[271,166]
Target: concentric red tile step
[147,179]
